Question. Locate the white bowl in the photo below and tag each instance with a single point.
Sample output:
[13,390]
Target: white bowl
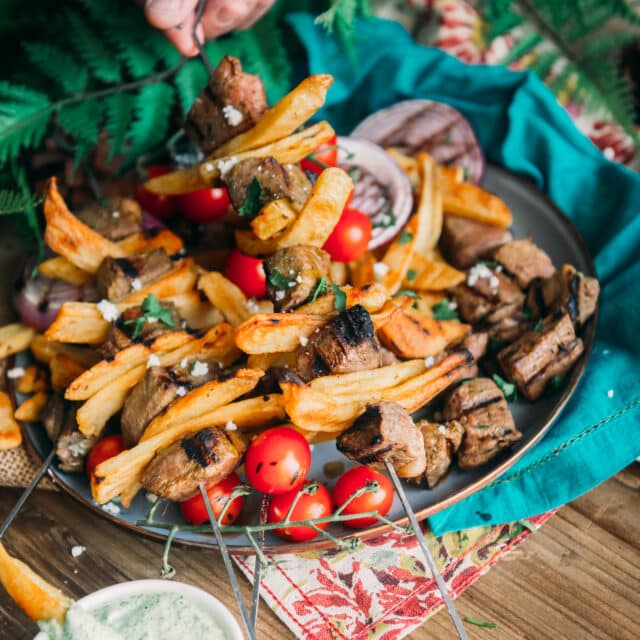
[195,595]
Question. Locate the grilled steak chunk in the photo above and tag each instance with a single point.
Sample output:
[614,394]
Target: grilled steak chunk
[115,219]
[506,323]
[441,441]
[276,181]
[231,103]
[118,277]
[463,241]
[571,291]
[346,343]
[524,261]
[536,357]
[4,367]
[476,344]
[385,431]
[53,415]
[206,456]
[302,267]
[479,406]
[72,446]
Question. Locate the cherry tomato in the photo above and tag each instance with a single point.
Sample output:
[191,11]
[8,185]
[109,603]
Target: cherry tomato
[204,205]
[194,511]
[159,206]
[350,237]
[352,480]
[277,460]
[102,450]
[308,507]
[248,273]
[326,155]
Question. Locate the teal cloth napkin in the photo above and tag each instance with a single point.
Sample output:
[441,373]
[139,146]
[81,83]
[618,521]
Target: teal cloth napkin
[521,127]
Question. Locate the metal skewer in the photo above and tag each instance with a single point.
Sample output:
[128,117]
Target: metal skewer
[201,52]
[257,572]
[462,634]
[224,552]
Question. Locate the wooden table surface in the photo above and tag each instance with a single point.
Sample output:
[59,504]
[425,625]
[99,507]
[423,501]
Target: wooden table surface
[578,577]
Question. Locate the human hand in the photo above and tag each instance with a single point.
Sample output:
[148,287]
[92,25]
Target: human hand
[177,17]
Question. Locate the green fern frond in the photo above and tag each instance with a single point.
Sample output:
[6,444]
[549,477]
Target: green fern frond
[543,63]
[119,113]
[58,65]
[608,45]
[190,81]
[30,213]
[499,18]
[528,42]
[17,202]
[82,120]
[340,18]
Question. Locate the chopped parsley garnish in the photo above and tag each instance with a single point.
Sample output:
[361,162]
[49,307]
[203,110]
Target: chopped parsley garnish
[508,389]
[465,173]
[404,237]
[538,327]
[411,274]
[443,311]
[279,281]
[251,205]
[527,312]
[406,293]
[319,290]
[153,311]
[385,221]
[490,264]
[483,426]
[480,623]
[340,303]
[556,382]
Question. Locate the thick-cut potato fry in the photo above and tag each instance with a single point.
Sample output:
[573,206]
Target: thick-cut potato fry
[361,271]
[33,380]
[226,296]
[32,593]
[274,217]
[372,297]
[410,337]
[450,176]
[14,338]
[339,273]
[78,322]
[64,370]
[322,210]
[281,120]
[422,306]
[30,409]
[265,360]
[429,211]
[180,280]
[199,313]
[116,474]
[251,245]
[391,307]
[61,269]
[10,434]
[217,344]
[71,238]
[432,275]
[276,332]
[398,256]
[44,350]
[470,201]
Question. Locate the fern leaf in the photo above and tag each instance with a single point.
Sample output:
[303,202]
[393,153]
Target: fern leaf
[340,18]
[16,202]
[190,81]
[543,63]
[163,49]
[608,45]
[119,109]
[30,214]
[58,65]
[82,120]
[522,47]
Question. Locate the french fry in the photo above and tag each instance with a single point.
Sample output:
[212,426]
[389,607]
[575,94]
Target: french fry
[71,238]
[198,313]
[429,211]
[64,370]
[372,297]
[33,380]
[390,308]
[180,280]
[361,271]
[264,360]
[281,120]
[450,176]
[14,338]
[408,164]
[129,493]
[339,273]
[32,593]
[321,212]
[44,350]
[276,332]
[422,306]
[217,344]
[10,434]
[78,322]
[398,257]
[30,409]
[60,268]
[274,217]
[470,201]
[251,245]
[432,275]
[226,296]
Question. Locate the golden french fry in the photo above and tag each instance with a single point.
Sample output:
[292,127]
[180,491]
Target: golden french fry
[78,322]
[61,269]
[322,210]
[281,120]
[390,308]
[339,273]
[129,493]
[276,332]
[71,238]
[180,280]
[398,256]
[432,275]
[44,350]
[251,245]
[371,297]
[217,344]
[422,306]
[226,296]
[14,338]
[198,313]
[32,593]
[470,201]
[361,271]
[274,217]
[266,360]
[450,176]
[408,164]
[30,409]
[10,433]
[64,370]
[33,380]
[429,211]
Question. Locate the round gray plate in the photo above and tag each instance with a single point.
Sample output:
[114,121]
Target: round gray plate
[534,215]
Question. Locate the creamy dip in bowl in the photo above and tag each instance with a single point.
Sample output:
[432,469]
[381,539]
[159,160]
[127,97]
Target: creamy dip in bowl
[145,610]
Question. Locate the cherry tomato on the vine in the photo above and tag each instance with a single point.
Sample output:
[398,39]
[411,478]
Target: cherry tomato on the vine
[277,460]
[379,500]
[194,511]
[350,237]
[159,206]
[308,507]
[247,272]
[326,155]
[105,448]
[204,205]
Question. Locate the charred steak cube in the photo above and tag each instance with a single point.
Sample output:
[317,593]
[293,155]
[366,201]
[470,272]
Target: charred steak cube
[72,446]
[347,343]
[480,407]
[176,472]
[385,432]
[115,218]
[231,103]
[293,273]
[571,291]
[538,356]
[118,277]
[506,323]
[463,241]
[441,441]
[524,261]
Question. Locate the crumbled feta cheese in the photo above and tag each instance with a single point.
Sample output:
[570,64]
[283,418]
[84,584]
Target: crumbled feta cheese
[209,167]
[279,295]
[292,272]
[224,165]
[610,393]
[183,324]
[498,268]
[184,362]
[298,278]
[151,497]
[78,550]
[252,305]
[151,319]
[304,341]
[609,153]
[453,305]
[230,426]
[442,429]
[429,361]
[199,368]
[232,115]
[181,391]
[153,361]
[112,508]
[136,284]
[75,571]
[108,310]
[16,372]
[380,269]
[115,214]
[479,272]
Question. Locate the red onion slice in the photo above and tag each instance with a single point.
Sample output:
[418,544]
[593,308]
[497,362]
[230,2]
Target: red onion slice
[426,125]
